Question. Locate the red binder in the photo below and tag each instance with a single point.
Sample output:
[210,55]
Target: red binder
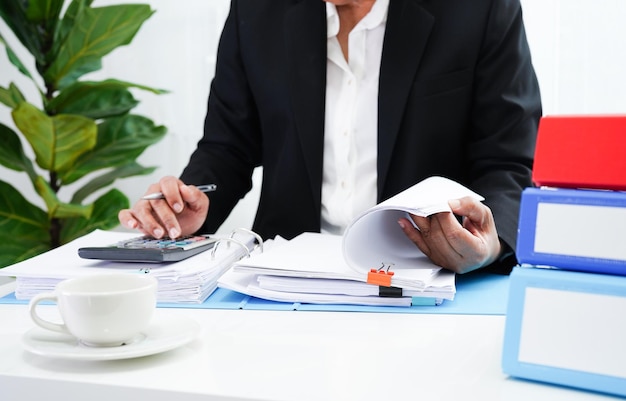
[581,152]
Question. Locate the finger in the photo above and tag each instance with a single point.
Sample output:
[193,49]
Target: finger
[472,250]
[480,223]
[414,234]
[444,252]
[141,218]
[193,197]
[166,216]
[127,219]
[170,187]
[166,210]
[478,219]
[471,209]
[455,239]
[432,236]
[423,224]
[149,220]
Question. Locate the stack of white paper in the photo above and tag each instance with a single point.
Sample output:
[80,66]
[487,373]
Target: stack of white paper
[317,268]
[310,269]
[191,280]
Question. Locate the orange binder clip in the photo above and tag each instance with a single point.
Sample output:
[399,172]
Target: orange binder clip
[379,277]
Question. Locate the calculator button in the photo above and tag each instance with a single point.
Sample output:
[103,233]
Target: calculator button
[184,243]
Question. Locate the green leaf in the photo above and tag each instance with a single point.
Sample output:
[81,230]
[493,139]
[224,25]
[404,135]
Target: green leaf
[15,60]
[74,10]
[6,98]
[56,208]
[93,99]
[24,228]
[128,170]
[34,23]
[97,99]
[104,216]
[96,32]
[14,15]
[57,141]
[12,154]
[44,12]
[12,96]
[120,139]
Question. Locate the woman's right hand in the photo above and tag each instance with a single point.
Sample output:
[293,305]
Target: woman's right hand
[182,211]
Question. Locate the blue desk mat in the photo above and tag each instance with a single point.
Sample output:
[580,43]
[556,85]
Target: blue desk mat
[478,293]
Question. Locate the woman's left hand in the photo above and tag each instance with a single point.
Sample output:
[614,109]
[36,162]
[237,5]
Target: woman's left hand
[460,247]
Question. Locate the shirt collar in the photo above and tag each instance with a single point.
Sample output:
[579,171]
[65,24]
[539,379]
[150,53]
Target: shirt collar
[376,17]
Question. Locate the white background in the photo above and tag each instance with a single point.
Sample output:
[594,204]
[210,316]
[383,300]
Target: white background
[578,48]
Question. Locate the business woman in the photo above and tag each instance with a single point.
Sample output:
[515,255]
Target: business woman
[345,103]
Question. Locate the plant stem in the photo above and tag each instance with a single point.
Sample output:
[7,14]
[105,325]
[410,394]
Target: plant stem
[55,223]
[54,182]
[55,233]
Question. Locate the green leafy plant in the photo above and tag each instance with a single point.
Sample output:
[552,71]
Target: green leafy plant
[80,132]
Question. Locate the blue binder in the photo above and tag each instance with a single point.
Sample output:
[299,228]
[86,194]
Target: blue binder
[567,328]
[574,229]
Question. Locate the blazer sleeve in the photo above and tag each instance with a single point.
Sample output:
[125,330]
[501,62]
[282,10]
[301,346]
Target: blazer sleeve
[505,118]
[231,146]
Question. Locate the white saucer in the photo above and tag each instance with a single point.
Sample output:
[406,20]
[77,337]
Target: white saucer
[166,332]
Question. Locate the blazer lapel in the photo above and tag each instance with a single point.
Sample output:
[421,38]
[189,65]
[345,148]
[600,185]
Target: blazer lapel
[406,34]
[305,36]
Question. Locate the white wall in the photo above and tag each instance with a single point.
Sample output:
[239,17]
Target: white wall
[578,48]
[579,53]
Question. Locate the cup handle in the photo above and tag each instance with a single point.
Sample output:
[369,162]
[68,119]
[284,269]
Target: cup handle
[32,308]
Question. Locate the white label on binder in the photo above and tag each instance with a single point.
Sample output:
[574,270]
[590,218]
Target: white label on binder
[574,330]
[581,230]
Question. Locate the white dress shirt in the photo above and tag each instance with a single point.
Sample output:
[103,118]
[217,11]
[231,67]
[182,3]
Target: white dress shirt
[351,123]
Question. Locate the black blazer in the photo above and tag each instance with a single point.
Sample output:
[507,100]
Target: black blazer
[458,97]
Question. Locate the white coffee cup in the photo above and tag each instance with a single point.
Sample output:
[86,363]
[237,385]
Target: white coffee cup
[102,310]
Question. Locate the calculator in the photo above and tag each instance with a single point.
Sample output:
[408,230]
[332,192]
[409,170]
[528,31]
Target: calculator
[148,249]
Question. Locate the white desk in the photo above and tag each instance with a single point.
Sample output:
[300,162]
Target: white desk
[262,355]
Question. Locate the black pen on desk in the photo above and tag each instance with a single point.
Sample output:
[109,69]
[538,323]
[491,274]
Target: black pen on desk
[159,195]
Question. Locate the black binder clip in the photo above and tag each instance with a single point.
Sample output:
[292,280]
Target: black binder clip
[389,292]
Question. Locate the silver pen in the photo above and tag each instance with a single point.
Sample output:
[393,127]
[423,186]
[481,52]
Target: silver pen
[159,195]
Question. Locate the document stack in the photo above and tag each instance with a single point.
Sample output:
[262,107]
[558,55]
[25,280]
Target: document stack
[567,300]
[372,263]
[189,281]
[311,269]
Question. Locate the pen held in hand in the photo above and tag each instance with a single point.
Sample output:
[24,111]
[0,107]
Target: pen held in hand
[159,195]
